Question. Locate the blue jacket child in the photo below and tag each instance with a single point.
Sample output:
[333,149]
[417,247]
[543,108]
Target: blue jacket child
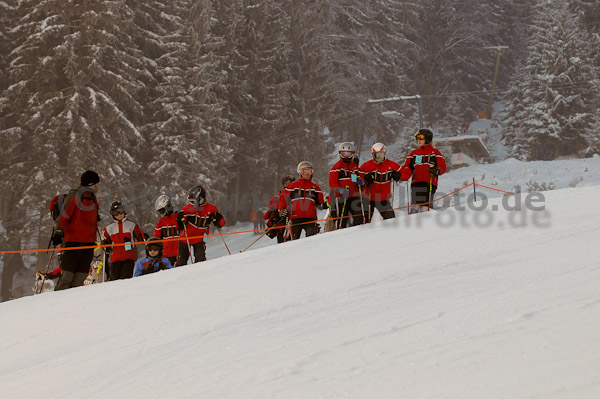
[153,261]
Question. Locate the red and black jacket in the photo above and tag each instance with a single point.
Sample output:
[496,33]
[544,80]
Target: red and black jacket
[340,176]
[418,163]
[166,228]
[380,179]
[197,221]
[301,198]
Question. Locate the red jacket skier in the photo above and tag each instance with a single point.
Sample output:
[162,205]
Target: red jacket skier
[299,202]
[378,174]
[343,183]
[272,214]
[125,232]
[166,228]
[425,164]
[193,221]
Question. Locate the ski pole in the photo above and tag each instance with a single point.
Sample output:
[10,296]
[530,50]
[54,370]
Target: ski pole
[221,234]
[429,203]
[362,207]
[47,265]
[474,193]
[407,199]
[188,241]
[261,236]
[340,221]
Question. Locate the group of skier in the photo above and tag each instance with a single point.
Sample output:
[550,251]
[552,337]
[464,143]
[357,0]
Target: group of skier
[356,191]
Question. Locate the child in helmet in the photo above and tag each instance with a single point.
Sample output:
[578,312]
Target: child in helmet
[378,174]
[121,233]
[193,221]
[274,221]
[299,202]
[425,164]
[343,183]
[166,227]
[154,260]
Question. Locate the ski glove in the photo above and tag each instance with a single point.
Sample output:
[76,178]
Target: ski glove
[370,178]
[216,218]
[57,236]
[181,219]
[434,171]
[345,192]
[396,175]
[360,182]
[283,213]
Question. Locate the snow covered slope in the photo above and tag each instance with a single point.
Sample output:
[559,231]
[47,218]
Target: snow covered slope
[416,307]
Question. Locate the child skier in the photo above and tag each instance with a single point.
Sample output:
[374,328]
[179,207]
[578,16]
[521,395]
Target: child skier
[154,260]
[124,232]
[193,221]
[299,202]
[166,228]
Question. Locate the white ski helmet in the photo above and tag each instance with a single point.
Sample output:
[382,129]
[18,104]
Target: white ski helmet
[304,165]
[378,152]
[346,151]
[162,205]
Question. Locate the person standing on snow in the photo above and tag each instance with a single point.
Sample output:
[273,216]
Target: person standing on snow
[78,226]
[425,164]
[166,228]
[193,221]
[378,174]
[274,221]
[299,202]
[343,183]
[154,260]
[122,232]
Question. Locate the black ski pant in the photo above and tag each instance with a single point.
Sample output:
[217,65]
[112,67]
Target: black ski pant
[384,207]
[419,194]
[121,269]
[351,208]
[309,225]
[75,265]
[183,254]
[172,259]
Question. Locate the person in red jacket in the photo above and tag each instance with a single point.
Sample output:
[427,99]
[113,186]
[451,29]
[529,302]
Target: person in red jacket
[193,221]
[78,226]
[272,214]
[166,228]
[425,164]
[378,174]
[122,232]
[343,183]
[299,202]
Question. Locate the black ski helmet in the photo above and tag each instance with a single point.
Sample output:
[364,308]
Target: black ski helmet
[428,134]
[285,180]
[197,195]
[116,206]
[154,242]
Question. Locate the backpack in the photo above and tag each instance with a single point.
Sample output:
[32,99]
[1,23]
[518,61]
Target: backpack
[56,205]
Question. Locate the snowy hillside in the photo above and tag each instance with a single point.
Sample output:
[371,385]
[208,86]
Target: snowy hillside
[410,308]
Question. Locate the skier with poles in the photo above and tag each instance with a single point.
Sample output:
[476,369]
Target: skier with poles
[166,227]
[276,223]
[299,202]
[378,174]
[193,221]
[424,164]
[343,183]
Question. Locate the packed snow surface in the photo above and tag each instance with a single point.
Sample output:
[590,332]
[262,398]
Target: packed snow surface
[481,302]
